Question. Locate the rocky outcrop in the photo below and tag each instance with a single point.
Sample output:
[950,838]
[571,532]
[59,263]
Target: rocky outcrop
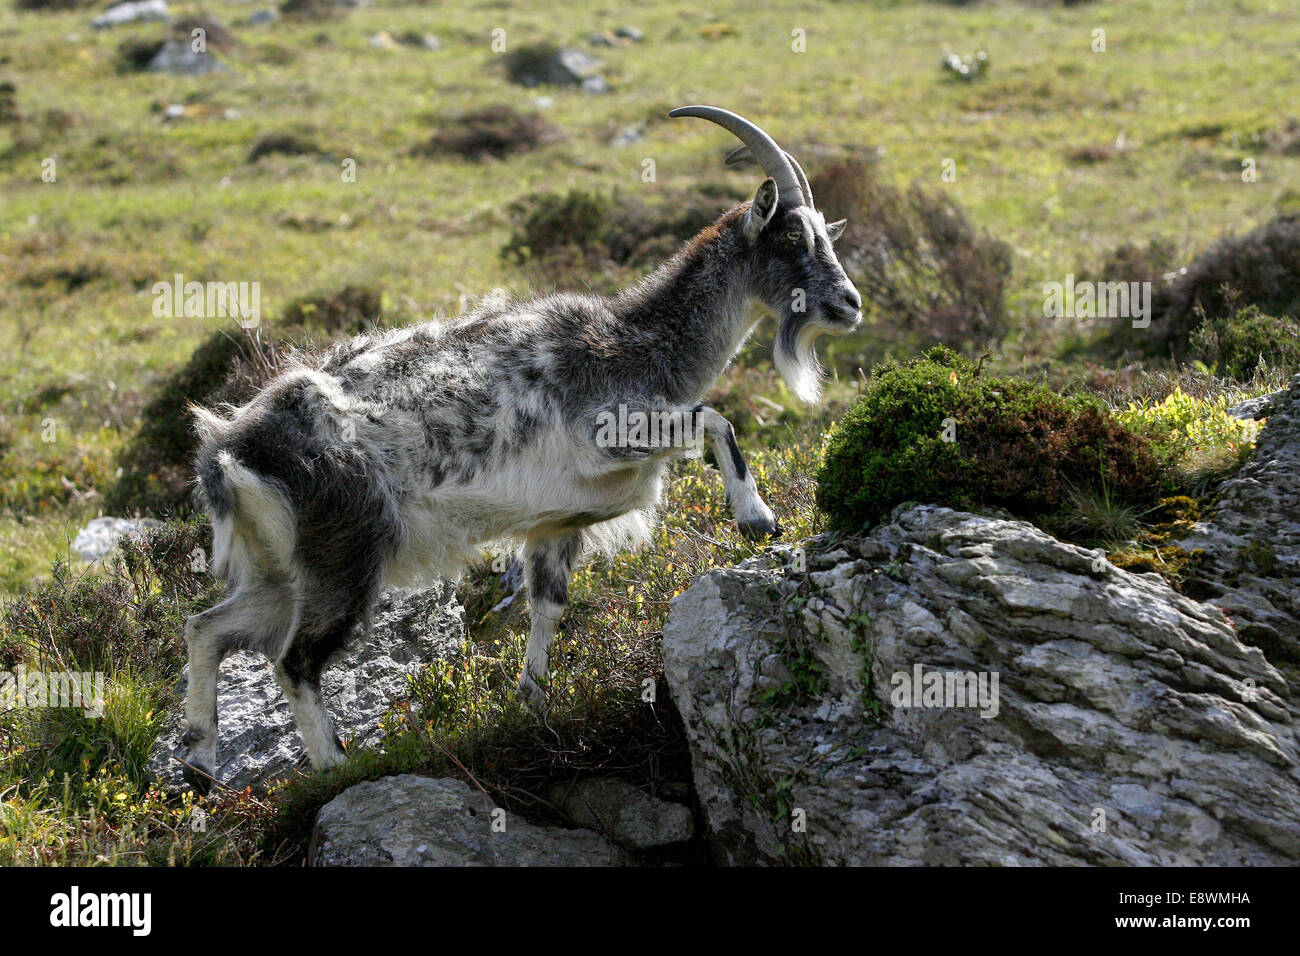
[1250,546]
[258,740]
[546,66]
[417,821]
[1101,718]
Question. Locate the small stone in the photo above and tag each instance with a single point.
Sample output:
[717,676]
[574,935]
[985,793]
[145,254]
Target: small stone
[180,58]
[134,12]
[409,820]
[628,816]
[101,536]
[627,136]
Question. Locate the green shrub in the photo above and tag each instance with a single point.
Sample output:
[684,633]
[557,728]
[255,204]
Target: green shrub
[1015,445]
[1195,439]
[1260,268]
[1234,346]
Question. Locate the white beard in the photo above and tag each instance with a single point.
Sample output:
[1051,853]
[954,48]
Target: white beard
[795,357]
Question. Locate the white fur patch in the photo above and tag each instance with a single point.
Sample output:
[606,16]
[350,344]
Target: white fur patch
[262,531]
[801,370]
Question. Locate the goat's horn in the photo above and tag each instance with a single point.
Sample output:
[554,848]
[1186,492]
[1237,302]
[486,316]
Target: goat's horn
[770,156]
[744,152]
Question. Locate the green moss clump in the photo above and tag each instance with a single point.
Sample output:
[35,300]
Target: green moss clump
[1177,566]
[1260,554]
[935,430]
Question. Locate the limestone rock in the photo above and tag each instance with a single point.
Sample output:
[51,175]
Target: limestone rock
[136,12]
[409,820]
[1128,724]
[1250,546]
[101,536]
[628,816]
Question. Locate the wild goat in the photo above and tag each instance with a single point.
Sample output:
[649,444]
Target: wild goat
[398,455]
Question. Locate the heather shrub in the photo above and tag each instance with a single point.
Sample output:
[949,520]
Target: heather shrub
[125,617]
[582,239]
[346,311]
[490,133]
[916,257]
[282,143]
[1235,345]
[156,464]
[1260,268]
[935,430]
[53,4]
[229,366]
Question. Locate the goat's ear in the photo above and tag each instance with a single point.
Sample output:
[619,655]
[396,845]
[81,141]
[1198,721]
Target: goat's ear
[835,229]
[761,210]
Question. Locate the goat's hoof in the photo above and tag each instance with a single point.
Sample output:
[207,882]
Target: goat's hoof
[197,775]
[329,760]
[757,529]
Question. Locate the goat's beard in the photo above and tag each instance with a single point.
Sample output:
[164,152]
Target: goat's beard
[795,357]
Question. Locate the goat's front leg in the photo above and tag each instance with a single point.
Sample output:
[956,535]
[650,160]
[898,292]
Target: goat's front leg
[548,566]
[753,517]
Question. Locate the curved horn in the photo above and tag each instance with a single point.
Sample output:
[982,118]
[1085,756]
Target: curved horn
[770,156]
[744,152]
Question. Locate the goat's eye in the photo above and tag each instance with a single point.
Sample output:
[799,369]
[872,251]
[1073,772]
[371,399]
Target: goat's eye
[794,236]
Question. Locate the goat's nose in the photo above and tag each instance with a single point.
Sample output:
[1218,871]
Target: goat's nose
[852,297]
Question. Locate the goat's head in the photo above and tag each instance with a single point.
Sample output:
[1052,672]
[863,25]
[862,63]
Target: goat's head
[796,273]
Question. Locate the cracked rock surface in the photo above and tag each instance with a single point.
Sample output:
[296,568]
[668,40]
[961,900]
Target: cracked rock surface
[1130,725]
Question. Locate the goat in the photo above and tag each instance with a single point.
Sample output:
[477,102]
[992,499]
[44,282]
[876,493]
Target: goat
[398,455]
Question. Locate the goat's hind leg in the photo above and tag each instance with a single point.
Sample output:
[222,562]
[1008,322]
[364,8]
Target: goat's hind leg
[298,673]
[328,609]
[548,566]
[251,618]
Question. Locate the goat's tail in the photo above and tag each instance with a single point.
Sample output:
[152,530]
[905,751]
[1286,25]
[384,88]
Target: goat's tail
[253,525]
